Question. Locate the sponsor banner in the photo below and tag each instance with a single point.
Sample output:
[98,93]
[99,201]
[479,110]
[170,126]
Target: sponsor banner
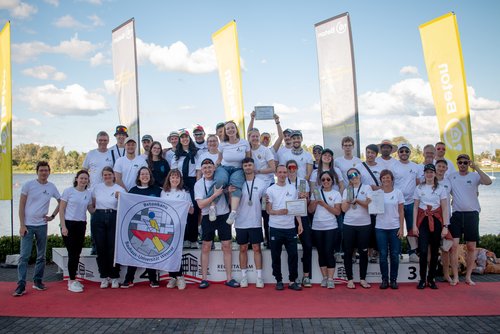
[228,60]
[5,115]
[150,232]
[191,267]
[337,82]
[125,74]
[445,69]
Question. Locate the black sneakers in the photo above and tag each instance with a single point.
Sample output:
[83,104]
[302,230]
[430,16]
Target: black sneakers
[21,290]
[38,285]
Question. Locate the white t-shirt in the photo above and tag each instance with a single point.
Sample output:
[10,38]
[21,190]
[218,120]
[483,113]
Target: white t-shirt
[303,159]
[94,162]
[445,183]
[206,155]
[344,165]
[203,147]
[38,201]
[280,155]
[250,216]
[261,156]
[278,196]
[177,164]
[201,188]
[77,203]
[177,195]
[429,196]
[358,216]
[405,178]
[105,196]
[389,220]
[129,169]
[464,190]
[386,164]
[324,220]
[169,155]
[233,154]
[116,152]
[314,179]
[275,155]
[366,177]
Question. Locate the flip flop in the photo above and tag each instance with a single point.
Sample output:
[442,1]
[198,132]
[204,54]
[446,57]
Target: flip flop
[364,284]
[350,285]
[471,283]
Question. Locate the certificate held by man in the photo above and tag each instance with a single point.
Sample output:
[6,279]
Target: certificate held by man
[264,112]
[297,207]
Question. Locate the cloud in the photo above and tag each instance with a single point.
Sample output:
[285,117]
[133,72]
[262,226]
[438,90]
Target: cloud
[96,20]
[74,48]
[44,72]
[409,70]
[70,101]
[99,59]
[54,3]
[187,107]
[18,9]
[67,21]
[109,85]
[177,57]
[282,109]
[94,2]
[26,130]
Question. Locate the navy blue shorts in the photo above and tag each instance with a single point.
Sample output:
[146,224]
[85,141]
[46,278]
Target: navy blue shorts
[249,235]
[466,223]
[223,229]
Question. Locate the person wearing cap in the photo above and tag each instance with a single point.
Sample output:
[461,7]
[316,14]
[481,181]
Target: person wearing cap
[185,160]
[303,158]
[440,155]
[219,131]
[199,139]
[204,200]
[265,137]
[317,150]
[97,159]
[212,153]
[146,141]
[430,224]
[118,150]
[173,140]
[466,208]
[229,172]
[286,148]
[348,160]
[127,167]
[386,148]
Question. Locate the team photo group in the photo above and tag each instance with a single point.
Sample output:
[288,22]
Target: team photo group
[264,194]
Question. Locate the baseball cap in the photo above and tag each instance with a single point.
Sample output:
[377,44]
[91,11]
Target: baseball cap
[219,125]
[147,137]
[198,128]
[317,147]
[463,156]
[173,134]
[327,150]
[430,167]
[296,133]
[183,132]
[288,130]
[404,145]
[207,161]
[129,139]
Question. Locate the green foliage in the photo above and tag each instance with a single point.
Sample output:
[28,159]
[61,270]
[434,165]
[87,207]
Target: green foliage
[490,242]
[26,156]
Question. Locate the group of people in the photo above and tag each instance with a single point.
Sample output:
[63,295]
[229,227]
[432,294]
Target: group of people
[231,182]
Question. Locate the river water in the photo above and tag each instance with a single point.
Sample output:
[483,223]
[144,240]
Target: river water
[488,197]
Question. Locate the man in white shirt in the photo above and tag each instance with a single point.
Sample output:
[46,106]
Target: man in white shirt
[465,218]
[209,228]
[97,159]
[147,141]
[199,139]
[406,179]
[126,168]
[173,139]
[348,161]
[33,217]
[282,229]
[429,153]
[118,150]
[248,222]
[284,149]
[303,158]
[386,148]
[440,152]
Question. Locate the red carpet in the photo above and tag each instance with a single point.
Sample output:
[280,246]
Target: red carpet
[219,301]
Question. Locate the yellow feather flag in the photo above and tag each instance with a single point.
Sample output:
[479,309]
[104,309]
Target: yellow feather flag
[6,116]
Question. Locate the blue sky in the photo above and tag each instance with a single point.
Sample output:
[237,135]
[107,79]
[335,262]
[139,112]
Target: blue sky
[62,68]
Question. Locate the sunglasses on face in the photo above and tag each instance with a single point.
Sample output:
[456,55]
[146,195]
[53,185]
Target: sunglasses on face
[404,151]
[326,179]
[292,167]
[198,134]
[317,151]
[462,162]
[352,175]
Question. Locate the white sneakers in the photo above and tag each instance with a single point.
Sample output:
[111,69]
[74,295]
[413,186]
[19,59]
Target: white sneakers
[75,286]
[180,283]
[115,284]
[232,216]
[172,283]
[330,284]
[259,283]
[244,282]
[104,283]
[212,213]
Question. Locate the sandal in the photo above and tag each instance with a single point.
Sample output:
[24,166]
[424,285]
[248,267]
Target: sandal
[232,283]
[350,285]
[364,284]
[471,283]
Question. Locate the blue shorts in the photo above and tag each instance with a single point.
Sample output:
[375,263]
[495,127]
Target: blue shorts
[249,235]
[208,228]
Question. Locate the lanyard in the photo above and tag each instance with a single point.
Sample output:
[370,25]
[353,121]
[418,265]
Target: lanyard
[118,150]
[295,182]
[205,185]
[358,191]
[250,191]
[323,195]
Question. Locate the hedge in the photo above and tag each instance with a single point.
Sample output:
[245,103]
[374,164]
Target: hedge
[488,241]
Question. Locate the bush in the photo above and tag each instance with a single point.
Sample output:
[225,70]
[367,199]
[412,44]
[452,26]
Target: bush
[490,242]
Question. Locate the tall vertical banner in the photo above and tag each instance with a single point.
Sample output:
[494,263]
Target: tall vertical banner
[125,72]
[6,116]
[228,59]
[445,69]
[337,81]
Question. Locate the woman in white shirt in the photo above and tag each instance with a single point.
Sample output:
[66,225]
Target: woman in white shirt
[173,189]
[389,229]
[430,223]
[325,227]
[75,201]
[103,227]
[357,226]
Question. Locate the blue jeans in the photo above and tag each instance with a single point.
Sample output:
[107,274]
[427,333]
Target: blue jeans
[388,243]
[408,209]
[228,175]
[40,234]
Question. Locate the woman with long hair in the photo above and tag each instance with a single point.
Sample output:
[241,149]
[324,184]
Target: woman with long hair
[430,223]
[185,160]
[158,165]
[75,201]
[325,227]
[103,227]
[145,185]
[389,229]
[326,163]
[357,226]
[173,189]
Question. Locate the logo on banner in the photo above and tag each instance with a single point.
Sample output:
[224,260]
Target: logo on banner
[339,28]
[453,133]
[148,232]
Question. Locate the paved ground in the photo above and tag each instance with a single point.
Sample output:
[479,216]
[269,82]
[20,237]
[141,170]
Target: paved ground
[432,325]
